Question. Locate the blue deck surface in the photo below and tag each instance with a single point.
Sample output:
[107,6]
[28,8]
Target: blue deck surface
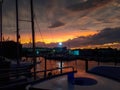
[107,71]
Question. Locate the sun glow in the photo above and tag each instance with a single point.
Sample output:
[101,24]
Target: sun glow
[47,38]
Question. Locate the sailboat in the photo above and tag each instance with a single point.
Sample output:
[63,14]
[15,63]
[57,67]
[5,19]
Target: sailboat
[67,81]
[14,74]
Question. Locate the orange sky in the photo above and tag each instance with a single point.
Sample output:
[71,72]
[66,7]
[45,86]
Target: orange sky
[52,37]
[62,20]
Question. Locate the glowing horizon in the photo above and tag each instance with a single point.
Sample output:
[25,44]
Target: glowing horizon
[47,39]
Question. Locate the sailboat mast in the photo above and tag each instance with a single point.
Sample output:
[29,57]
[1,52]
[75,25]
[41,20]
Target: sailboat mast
[1,20]
[33,37]
[17,33]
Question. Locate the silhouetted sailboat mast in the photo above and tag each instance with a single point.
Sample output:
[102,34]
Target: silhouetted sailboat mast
[1,20]
[33,37]
[17,33]
[33,34]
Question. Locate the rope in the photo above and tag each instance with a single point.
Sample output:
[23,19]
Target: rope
[39,30]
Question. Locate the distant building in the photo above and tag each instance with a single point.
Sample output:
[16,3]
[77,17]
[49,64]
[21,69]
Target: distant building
[75,52]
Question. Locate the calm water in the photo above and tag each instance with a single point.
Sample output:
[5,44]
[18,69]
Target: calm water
[79,65]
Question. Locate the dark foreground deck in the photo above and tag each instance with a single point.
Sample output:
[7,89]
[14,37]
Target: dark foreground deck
[107,71]
[81,81]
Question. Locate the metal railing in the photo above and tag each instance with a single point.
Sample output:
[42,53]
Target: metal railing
[14,73]
[21,76]
[48,73]
[9,74]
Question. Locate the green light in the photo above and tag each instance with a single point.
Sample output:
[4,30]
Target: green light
[37,52]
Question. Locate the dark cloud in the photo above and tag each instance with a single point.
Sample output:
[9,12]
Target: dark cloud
[108,35]
[88,4]
[56,24]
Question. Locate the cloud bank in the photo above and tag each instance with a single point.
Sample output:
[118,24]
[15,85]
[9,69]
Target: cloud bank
[106,36]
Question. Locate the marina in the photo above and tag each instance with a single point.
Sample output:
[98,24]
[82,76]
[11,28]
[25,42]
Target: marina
[79,55]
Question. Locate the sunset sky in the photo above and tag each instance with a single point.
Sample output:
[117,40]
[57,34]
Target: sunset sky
[76,23]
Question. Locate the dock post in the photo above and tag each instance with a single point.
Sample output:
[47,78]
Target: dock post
[86,65]
[61,66]
[45,67]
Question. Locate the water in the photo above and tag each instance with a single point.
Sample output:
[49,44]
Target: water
[78,65]
[54,64]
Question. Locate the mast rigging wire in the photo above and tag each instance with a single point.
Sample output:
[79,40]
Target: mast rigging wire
[39,30]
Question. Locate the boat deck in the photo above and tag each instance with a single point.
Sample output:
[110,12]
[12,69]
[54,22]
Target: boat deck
[62,83]
[111,72]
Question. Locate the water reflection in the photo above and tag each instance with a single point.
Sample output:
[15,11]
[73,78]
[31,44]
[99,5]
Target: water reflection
[60,65]
[79,65]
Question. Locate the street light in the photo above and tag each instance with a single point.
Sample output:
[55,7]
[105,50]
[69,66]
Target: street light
[60,44]
[1,1]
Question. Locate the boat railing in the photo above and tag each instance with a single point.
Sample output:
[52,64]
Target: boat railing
[24,76]
[56,71]
[9,74]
